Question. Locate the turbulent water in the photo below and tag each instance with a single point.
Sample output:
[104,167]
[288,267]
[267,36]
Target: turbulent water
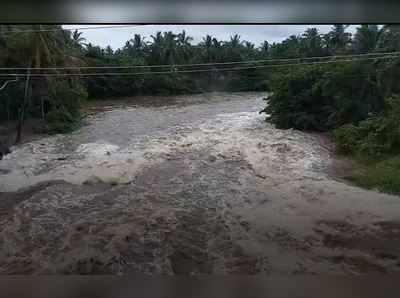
[189,184]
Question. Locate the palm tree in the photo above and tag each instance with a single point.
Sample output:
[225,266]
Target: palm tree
[389,39]
[170,53]
[77,39]
[233,48]
[235,41]
[45,47]
[138,42]
[109,51]
[183,43]
[136,46]
[249,45]
[164,48]
[265,48]
[218,54]
[206,45]
[94,51]
[312,44]
[42,50]
[338,40]
[289,48]
[183,39]
[366,38]
[156,48]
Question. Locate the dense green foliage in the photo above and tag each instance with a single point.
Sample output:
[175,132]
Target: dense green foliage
[359,101]
[167,49]
[358,95]
[325,97]
[376,135]
[66,102]
[33,96]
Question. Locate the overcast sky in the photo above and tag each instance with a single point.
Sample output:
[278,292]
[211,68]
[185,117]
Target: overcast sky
[116,37]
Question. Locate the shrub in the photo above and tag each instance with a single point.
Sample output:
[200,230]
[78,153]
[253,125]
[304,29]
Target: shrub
[66,102]
[376,135]
[347,138]
[324,98]
[297,101]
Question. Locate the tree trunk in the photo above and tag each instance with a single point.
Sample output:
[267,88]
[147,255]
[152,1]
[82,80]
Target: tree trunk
[40,93]
[22,110]
[8,109]
[42,107]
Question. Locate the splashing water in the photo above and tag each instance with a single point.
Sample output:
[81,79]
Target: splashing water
[203,184]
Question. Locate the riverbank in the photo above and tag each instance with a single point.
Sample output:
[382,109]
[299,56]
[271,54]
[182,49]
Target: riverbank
[382,174]
[31,131]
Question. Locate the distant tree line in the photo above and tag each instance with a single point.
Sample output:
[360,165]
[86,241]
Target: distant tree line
[56,100]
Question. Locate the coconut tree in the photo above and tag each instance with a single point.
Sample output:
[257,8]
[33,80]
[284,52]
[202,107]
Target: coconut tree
[206,45]
[218,52]
[156,48]
[338,41]
[366,38]
[135,47]
[44,48]
[170,52]
[264,49]
[233,48]
[77,39]
[183,39]
[184,46]
[139,42]
[312,43]
[108,51]
[35,49]
[40,47]
[389,39]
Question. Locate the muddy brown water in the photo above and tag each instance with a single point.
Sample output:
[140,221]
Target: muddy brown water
[188,185]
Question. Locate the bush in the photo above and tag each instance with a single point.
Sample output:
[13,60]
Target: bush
[374,136]
[61,122]
[324,98]
[297,102]
[11,99]
[347,138]
[66,101]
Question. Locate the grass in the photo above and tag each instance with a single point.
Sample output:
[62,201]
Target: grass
[382,174]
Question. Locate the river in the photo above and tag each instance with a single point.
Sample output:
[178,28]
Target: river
[188,185]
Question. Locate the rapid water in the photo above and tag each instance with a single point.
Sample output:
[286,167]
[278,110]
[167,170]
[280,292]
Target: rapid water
[117,143]
[188,184]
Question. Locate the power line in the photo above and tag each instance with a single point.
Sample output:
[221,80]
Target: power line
[190,70]
[66,29]
[203,64]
